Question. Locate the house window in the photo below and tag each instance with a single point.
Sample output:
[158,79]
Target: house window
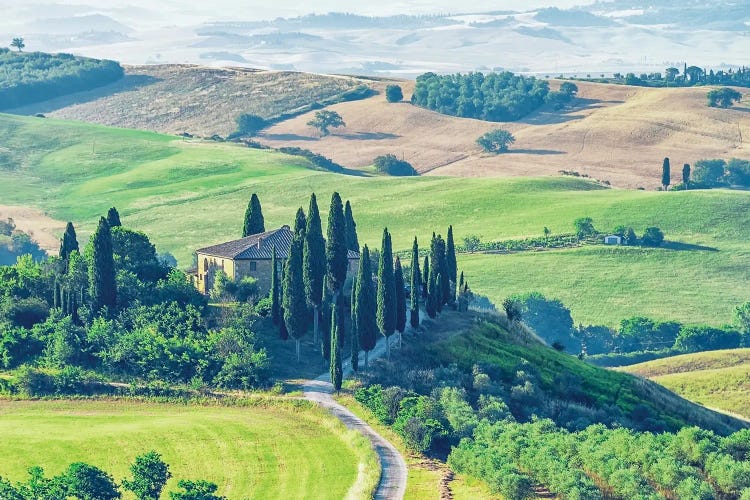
[253,266]
[205,265]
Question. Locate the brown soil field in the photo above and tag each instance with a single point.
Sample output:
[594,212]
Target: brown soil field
[186,98]
[43,229]
[610,132]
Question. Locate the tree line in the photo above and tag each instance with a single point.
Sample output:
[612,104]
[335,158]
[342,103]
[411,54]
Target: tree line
[29,77]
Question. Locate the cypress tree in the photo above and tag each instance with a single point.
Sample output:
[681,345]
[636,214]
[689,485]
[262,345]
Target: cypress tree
[443,280]
[425,277]
[283,332]
[354,334]
[430,307]
[398,279]
[416,285]
[665,174]
[275,299]
[314,263]
[69,242]
[366,323]
[337,332]
[438,265]
[336,251]
[295,308]
[452,265]
[300,224]
[386,312]
[461,282]
[102,275]
[352,241]
[254,222]
[113,218]
[686,175]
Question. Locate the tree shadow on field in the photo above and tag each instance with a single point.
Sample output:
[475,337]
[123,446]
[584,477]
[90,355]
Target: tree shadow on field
[290,137]
[534,152]
[547,115]
[368,136]
[125,84]
[688,247]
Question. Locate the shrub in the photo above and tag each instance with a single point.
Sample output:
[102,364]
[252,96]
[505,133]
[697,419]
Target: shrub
[319,161]
[708,173]
[389,164]
[653,237]
[723,97]
[738,172]
[496,141]
[393,93]
[250,125]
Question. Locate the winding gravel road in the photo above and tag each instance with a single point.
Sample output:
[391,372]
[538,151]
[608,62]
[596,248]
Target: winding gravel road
[392,483]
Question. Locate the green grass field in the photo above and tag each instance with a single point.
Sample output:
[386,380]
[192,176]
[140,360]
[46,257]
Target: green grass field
[275,451]
[186,195]
[717,379]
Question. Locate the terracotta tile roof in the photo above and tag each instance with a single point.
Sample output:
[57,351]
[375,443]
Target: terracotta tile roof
[258,246]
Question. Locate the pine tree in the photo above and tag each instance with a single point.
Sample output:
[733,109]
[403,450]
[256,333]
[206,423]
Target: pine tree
[366,322]
[416,285]
[425,277]
[686,175]
[336,251]
[399,285]
[113,218]
[102,273]
[352,241]
[275,302]
[354,334]
[337,332]
[665,174]
[452,265]
[314,263]
[69,242]
[295,307]
[254,222]
[300,224]
[386,312]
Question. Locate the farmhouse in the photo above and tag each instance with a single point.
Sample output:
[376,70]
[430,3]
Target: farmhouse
[250,256]
[613,239]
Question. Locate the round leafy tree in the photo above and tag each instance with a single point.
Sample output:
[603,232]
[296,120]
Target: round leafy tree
[496,141]
[393,93]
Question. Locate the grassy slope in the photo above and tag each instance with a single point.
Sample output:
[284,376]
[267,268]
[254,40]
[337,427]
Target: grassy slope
[189,194]
[255,452]
[718,379]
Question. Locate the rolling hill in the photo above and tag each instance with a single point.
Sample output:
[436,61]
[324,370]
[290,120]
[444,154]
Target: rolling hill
[186,194]
[716,379]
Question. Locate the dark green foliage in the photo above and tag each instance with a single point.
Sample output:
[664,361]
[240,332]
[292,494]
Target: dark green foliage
[337,333]
[709,173]
[493,97]
[496,141]
[352,241]
[325,120]
[254,222]
[439,266]
[150,475]
[584,227]
[365,309]
[336,241]
[723,97]
[400,289]
[386,312]
[665,174]
[431,306]
[314,259]
[704,338]
[451,264]
[550,319]
[103,289]
[18,43]
[316,159]
[133,252]
[630,237]
[195,490]
[113,218]
[26,78]
[425,277]
[738,172]
[643,334]
[69,242]
[275,289]
[300,224]
[87,482]
[390,165]
[393,93]
[686,175]
[293,301]
[415,286]
[512,310]
[652,237]
[354,334]
[250,125]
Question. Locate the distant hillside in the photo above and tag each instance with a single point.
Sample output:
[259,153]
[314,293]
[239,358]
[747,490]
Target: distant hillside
[717,379]
[195,99]
[27,78]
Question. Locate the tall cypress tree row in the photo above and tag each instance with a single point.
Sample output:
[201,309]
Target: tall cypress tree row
[300,224]
[439,265]
[314,263]
[336,251]
[452,265]
[254,222]
[102,273]
[398,280]
[416,285]
[337,332]
[275,299]
[69,242]
[354,335]
[366,322]
[113,218]
[386,312]
[295,306]
[352,241]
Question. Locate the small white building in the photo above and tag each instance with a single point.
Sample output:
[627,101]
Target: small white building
[613,239]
